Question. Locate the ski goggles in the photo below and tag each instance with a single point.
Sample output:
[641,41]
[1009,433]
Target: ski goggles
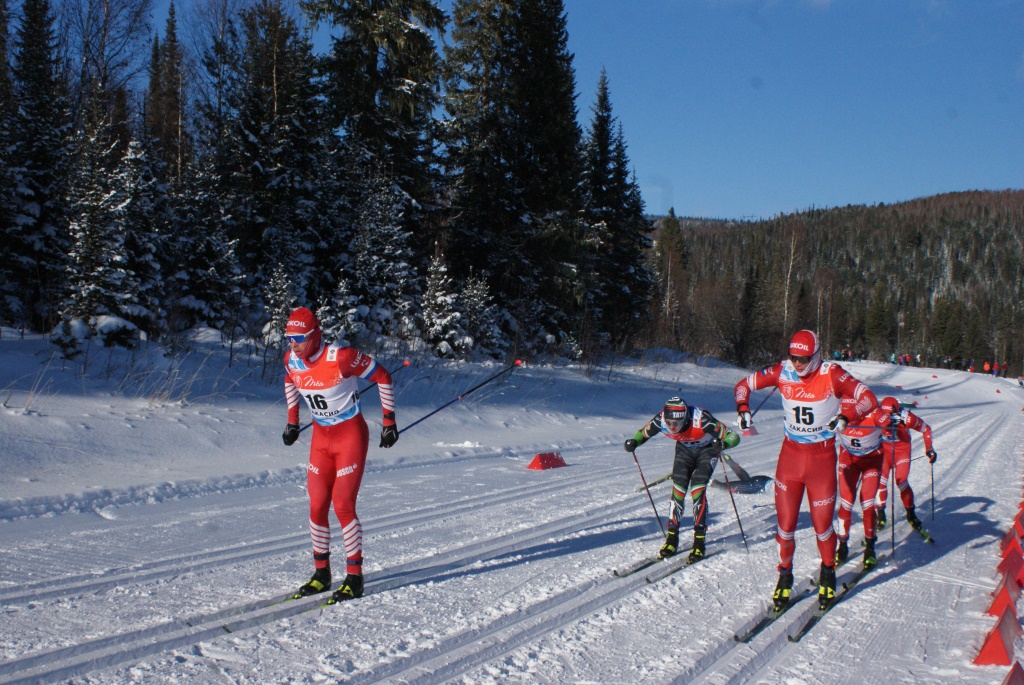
[799,359]
[673,420]
[297,338]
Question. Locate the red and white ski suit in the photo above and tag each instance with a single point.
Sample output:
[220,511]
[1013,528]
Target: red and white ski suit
[807,460]
[860,460]
[898,449]
[337,453]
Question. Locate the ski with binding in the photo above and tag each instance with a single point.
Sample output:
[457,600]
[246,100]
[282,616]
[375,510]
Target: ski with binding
[773,614]
[819,613]
[665,573]
[639,566]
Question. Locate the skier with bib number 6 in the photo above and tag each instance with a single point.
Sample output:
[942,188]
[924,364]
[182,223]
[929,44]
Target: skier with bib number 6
[326,377]
[860,463]
[811,391]
[898,441]
[699,438]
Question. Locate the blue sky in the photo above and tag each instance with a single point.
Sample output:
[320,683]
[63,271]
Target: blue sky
[744,109]
[747,109]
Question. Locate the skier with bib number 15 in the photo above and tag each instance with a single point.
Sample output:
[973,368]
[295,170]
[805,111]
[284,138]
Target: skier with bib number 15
[812,391]
[699,438]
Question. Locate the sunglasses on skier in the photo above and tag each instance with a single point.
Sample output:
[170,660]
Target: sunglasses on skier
[673,420]
[799,359]
[297,339]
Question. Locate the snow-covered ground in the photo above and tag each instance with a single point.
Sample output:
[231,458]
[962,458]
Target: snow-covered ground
[150,515]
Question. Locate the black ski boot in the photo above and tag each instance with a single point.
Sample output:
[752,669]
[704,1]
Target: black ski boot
[697,553]
[870,560]
[842,552]
[880,519]
[826,586]
[351,588]
[671,545]
[912,519]
[783,589]
[320,582]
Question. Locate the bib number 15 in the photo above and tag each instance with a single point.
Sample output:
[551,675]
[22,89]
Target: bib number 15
[803,415]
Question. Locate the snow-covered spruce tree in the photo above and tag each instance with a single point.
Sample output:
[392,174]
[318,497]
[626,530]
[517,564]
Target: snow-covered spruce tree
[100,285]
[276,159]
[337,315]
[143,217]
[205,286]
[11,303]
[279,300]
[441,318]
[384,282]
[619,281]
[481,318]
[38,236]
[381,85]
[512,147]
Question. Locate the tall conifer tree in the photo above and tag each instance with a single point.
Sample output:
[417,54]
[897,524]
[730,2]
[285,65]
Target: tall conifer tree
[514,160]
[614,213]
[38,236]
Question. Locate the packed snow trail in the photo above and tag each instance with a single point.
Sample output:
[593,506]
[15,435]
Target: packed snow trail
[481,571]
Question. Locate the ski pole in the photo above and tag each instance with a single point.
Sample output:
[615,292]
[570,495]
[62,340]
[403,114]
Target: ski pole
[645,486]
[932,469]
[473,389]
[405,363]
[754,413]
[644,480]
[892,499]
[728,487]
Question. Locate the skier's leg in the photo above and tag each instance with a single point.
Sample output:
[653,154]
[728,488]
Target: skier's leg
[870,477]
[319,483]
[350,441]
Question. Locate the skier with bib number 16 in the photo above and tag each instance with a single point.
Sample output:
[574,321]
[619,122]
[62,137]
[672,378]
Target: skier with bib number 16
[812,391]
[326,377]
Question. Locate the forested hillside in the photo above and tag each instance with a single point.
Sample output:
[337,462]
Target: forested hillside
[935,276]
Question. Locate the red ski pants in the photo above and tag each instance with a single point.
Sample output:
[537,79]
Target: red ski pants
[867,470]
[810,467]
[902,473]
[337,457]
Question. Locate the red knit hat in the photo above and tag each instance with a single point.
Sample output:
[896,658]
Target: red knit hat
[302,321]
[803,344]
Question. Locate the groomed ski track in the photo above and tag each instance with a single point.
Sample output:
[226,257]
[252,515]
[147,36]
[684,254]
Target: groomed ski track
[527,567]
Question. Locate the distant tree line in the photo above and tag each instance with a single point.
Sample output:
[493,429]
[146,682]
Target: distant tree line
[941,276]
[150,184]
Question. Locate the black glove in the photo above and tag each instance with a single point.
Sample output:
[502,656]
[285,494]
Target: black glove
[389,433]
[932,456]
[838,423]
[291,433]
[746,420]
[631,445]
[895,419]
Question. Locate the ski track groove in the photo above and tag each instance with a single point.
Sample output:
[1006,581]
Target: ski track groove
[114,650]
[85,583]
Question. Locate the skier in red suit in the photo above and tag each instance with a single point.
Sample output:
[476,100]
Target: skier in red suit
[898,441]
[326,377]
[860,462]
[811,393]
